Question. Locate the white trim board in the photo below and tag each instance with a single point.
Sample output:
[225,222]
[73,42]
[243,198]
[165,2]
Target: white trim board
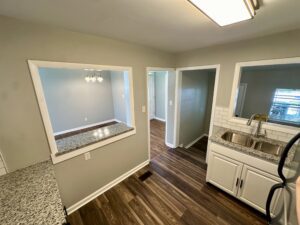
[105,188]
[86,126]
[170,145]
[160,119]
[194,141]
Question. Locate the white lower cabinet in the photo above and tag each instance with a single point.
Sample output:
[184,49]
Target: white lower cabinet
[224,173]
[255,187]
[245,182]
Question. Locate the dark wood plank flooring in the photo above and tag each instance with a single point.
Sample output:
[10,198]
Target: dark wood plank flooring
[175,193]
[157,138]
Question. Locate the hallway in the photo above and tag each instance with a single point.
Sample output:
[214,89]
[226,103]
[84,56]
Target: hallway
[157,137]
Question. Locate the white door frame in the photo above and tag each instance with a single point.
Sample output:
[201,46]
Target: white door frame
[153,69]
[178,99]
[151,88]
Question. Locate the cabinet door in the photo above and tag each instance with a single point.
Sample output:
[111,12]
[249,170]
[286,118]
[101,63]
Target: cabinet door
[255,187]
[224,173]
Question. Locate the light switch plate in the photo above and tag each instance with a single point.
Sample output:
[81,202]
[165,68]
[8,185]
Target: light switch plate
[143,109]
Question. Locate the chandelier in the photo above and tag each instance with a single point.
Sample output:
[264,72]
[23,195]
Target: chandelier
[93,76]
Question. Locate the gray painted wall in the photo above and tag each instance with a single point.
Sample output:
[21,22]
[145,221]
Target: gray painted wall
[160,94]
[72,102]
[282,45]
[119,95]
[262,83]
[196,98]
[22,135]
[210,96]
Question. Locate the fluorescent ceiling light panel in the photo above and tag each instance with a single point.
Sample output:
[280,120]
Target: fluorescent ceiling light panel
[225,12]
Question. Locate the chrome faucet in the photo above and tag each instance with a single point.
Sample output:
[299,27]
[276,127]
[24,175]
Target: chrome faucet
[259,118]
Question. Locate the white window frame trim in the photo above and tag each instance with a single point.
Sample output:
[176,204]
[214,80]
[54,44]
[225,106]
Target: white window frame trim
[236,81]
[34,65]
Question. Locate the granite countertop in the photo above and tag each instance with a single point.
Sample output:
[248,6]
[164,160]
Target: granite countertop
[30,197]
[217,138]
[67,144]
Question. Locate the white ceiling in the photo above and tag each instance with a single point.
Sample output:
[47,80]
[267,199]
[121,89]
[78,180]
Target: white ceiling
[171,25]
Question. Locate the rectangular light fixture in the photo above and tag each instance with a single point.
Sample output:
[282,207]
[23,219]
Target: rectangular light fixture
[225,12]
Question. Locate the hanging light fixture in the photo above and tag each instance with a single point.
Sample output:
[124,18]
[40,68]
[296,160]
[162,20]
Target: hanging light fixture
[87,79]
[99,79]
[93,76]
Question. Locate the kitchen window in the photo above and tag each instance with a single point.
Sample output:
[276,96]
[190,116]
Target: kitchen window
[285,107]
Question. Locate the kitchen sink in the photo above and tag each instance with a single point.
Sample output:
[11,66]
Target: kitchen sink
[239,139]
[269,148]
[249,142]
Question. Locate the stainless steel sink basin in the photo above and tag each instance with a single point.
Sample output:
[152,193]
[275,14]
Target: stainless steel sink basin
[239,139]
[269,148]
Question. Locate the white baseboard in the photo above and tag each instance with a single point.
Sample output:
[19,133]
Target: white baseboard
[106,187]
[194,141]
[86,126]
[160,119]
[170,145]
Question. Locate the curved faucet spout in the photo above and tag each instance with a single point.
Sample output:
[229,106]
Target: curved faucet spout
[260,118]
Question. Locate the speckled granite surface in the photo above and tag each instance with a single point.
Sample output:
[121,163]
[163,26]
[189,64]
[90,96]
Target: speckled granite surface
[217,138]
[30,197]
[76,141]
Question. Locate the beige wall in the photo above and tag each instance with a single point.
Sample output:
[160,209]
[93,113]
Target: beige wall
[282,45]
[22,136]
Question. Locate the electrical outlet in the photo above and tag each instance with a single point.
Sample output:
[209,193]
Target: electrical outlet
[170,102]
[87,156]
[85,118]
[143,109]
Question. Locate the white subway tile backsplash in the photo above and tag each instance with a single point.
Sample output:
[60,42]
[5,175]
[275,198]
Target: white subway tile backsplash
[221,119]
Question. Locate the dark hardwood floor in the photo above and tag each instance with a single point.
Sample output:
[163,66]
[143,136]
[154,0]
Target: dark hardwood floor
[175,193]
[157,139]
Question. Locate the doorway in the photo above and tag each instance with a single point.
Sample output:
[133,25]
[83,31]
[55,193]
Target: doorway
[196,95]
[161,94]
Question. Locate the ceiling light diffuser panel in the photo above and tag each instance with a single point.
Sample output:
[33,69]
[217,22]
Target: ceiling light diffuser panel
[226,12]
